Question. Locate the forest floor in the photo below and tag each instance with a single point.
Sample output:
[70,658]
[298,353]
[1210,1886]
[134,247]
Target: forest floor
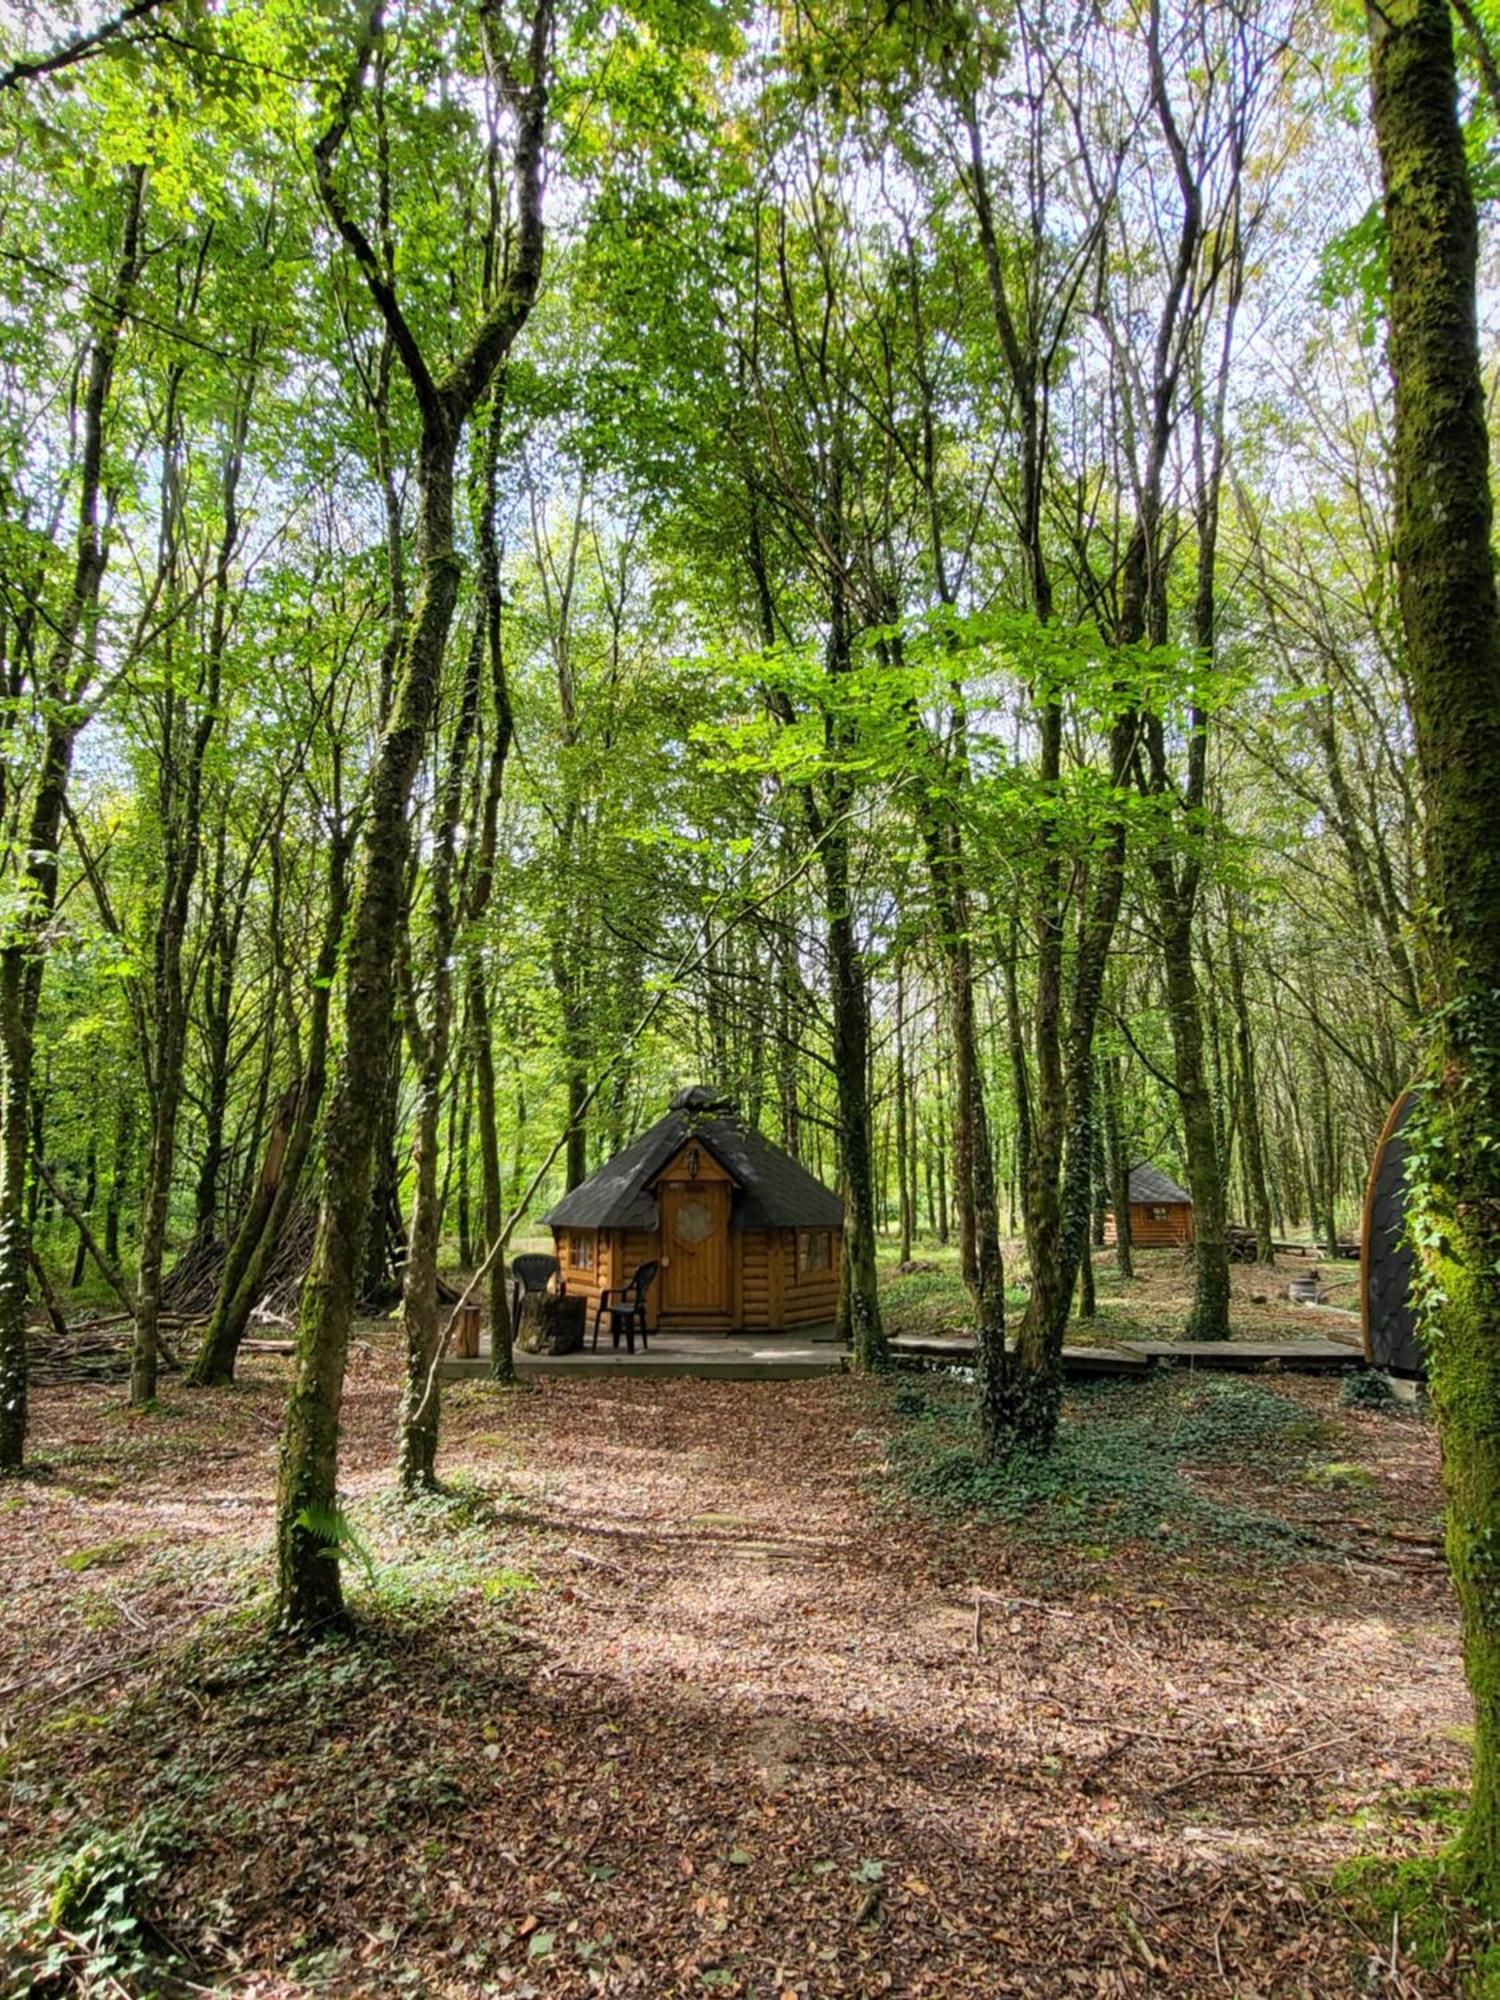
[927,1297]
[759,1689]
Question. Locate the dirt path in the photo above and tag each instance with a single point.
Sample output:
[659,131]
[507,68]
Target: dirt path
[1100,1791]
[688,1715]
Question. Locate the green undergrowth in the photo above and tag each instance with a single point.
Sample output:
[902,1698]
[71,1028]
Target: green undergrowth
[932,1299]
[80,1920]
[1120,1470]
[427,1548]
[236,1735]
[1416,1905]
[1369,1389]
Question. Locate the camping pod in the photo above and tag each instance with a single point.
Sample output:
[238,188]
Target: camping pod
[745,1239]
[1387,1316]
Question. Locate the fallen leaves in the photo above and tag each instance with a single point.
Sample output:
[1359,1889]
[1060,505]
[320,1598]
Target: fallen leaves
[702,1721]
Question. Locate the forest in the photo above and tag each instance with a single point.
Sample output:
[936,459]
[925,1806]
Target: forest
[925,567]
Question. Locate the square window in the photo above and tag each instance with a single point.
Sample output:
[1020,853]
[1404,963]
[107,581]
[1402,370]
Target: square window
[814,1251]
[581,1252]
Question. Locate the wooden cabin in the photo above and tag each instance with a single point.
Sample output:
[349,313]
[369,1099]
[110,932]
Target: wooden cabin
[746,1239]
[1161,1213]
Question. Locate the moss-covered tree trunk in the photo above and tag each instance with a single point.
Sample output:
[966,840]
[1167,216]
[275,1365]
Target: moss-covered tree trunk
[481,886]
[430,1039]
[309,1593]
[1445,568]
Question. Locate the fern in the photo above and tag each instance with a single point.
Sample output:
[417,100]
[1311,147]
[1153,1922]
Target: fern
[337,1533]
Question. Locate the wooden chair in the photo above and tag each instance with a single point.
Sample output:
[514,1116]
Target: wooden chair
[626,1306]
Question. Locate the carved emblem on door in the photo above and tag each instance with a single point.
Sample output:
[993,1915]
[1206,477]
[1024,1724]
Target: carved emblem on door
[695,1223]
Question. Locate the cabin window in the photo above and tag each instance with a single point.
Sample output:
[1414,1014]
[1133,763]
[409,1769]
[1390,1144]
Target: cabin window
[1158,1215]
[581,1252]
[814,1251]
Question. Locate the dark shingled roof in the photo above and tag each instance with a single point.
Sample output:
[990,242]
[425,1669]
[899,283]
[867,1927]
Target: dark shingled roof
[772,1191]
[1150,1184]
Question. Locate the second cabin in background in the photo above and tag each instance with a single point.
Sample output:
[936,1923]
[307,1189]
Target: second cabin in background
[1161,1213]
[745,1237]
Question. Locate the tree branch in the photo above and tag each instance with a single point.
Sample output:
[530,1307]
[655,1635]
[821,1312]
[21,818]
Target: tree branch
[381,290]
[79,49]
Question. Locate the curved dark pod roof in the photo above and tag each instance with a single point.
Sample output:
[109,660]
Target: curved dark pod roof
[771,1190]
[1387,1310]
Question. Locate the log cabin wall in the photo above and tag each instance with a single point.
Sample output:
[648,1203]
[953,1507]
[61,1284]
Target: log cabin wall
[758,1252]
[779,1282]
[1155,1225]
[811,1294]
[583,1258]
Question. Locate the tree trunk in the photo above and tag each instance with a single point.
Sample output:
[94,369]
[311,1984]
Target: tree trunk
[183,845]
[1252,1143]
[119,1173]
[255,1241]
[859,1321]
[481,890]
[1445,567]
[218,1011]
[379,1268]
[1060,1186]
[1208,1318]
[464,1172]
[86,1208]
[309,1592]
[1118,1149]
[421,1401]
[23,953]
[903,1135]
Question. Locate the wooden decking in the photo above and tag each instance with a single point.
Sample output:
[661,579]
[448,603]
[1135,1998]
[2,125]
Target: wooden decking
[959,1349]
[724,1357]
[789,1357]
[1135,1357]
[1312,1355]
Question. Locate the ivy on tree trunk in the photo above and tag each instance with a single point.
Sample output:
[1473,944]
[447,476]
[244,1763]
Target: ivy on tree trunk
[1445,569]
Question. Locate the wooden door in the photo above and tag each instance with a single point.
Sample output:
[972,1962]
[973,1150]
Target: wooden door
[695,1247]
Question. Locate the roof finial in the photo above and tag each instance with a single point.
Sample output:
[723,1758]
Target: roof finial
[699,1097]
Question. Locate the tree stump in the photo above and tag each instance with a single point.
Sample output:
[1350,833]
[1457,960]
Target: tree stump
[550,1324]
[466,1330]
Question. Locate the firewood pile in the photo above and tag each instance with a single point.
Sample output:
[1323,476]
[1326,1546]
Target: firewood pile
[192,1285]
[1240,1243]
[97,1348]
[93,1350]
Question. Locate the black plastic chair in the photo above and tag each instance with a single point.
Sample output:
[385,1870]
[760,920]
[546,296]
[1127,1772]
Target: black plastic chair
[626,1307]
[534,1269]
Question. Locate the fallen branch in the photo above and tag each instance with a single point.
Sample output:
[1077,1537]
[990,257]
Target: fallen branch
[1272,1770]
[75,1215]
